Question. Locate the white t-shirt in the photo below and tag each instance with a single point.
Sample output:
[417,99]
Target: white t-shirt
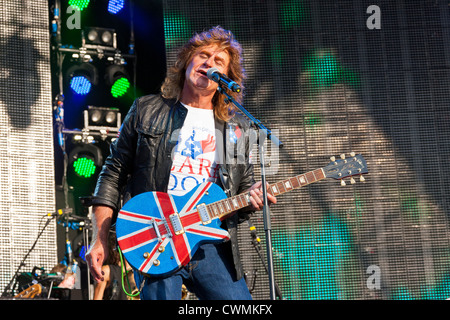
[195,157]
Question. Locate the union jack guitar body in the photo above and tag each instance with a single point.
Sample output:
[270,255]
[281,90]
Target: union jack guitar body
[158,233]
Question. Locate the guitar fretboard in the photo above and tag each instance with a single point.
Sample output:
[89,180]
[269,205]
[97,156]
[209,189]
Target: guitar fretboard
[224,207]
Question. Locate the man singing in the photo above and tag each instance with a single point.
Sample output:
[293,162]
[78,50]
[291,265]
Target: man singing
[171,142]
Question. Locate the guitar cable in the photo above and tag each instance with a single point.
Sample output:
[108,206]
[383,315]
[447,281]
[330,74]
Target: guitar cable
[124,274]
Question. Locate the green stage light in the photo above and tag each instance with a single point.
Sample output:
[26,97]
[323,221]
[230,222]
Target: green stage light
[117,78]
[79,4]
[120,87]
[84,160]
[84,167]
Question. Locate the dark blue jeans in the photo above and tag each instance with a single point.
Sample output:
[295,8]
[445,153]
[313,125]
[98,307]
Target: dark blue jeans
[210,275]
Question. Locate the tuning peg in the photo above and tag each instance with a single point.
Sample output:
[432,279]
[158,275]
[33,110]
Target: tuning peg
[361,178]
[352,181]
[343,183]
[343,156]
[352,154]
[333,158]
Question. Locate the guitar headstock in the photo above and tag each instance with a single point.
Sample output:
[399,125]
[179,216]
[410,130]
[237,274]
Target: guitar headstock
[30,292]
[346,167]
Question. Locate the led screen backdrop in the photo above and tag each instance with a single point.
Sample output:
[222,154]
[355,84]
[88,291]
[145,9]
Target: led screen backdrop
[27,191]
[332,77]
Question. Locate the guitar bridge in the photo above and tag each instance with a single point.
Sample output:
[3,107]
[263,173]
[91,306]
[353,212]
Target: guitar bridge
[176,223]
[156,228]
[203,213]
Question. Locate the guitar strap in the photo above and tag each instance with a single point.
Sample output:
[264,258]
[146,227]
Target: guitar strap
[223,175]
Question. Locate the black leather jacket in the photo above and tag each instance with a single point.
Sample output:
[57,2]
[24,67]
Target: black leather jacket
[140,159]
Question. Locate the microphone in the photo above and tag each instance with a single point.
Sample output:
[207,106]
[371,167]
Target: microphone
[214,75]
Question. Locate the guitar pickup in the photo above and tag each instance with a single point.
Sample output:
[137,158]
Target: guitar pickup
[176,223]
[203,213]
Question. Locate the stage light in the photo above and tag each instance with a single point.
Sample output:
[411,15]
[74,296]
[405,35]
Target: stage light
[84,164]
[95,36]
[80,85]
[82,77]
[79,4]
[115,6]
[120,87]
[84,167]
[84,159]
[117,78]
[101,118]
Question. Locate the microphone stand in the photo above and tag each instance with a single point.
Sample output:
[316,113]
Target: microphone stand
[266,212]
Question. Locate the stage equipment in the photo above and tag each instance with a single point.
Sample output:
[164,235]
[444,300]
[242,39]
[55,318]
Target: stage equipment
[94,66]
[102,119]
[256,242]
[18,277]
[81,77]
[216,76]
[115,6]
[103,38]
[117,79]
[79,4]
[85,159]
[87,149]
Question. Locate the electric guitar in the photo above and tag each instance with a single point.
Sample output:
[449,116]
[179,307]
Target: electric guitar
[30,292]
[158,233]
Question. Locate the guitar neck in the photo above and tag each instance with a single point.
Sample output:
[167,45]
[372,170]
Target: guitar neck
[223,208]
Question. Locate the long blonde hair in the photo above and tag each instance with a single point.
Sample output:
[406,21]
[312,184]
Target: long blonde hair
[224,39]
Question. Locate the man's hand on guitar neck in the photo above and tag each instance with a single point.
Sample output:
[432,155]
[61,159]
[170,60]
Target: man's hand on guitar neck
[98,251]
[256,197]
